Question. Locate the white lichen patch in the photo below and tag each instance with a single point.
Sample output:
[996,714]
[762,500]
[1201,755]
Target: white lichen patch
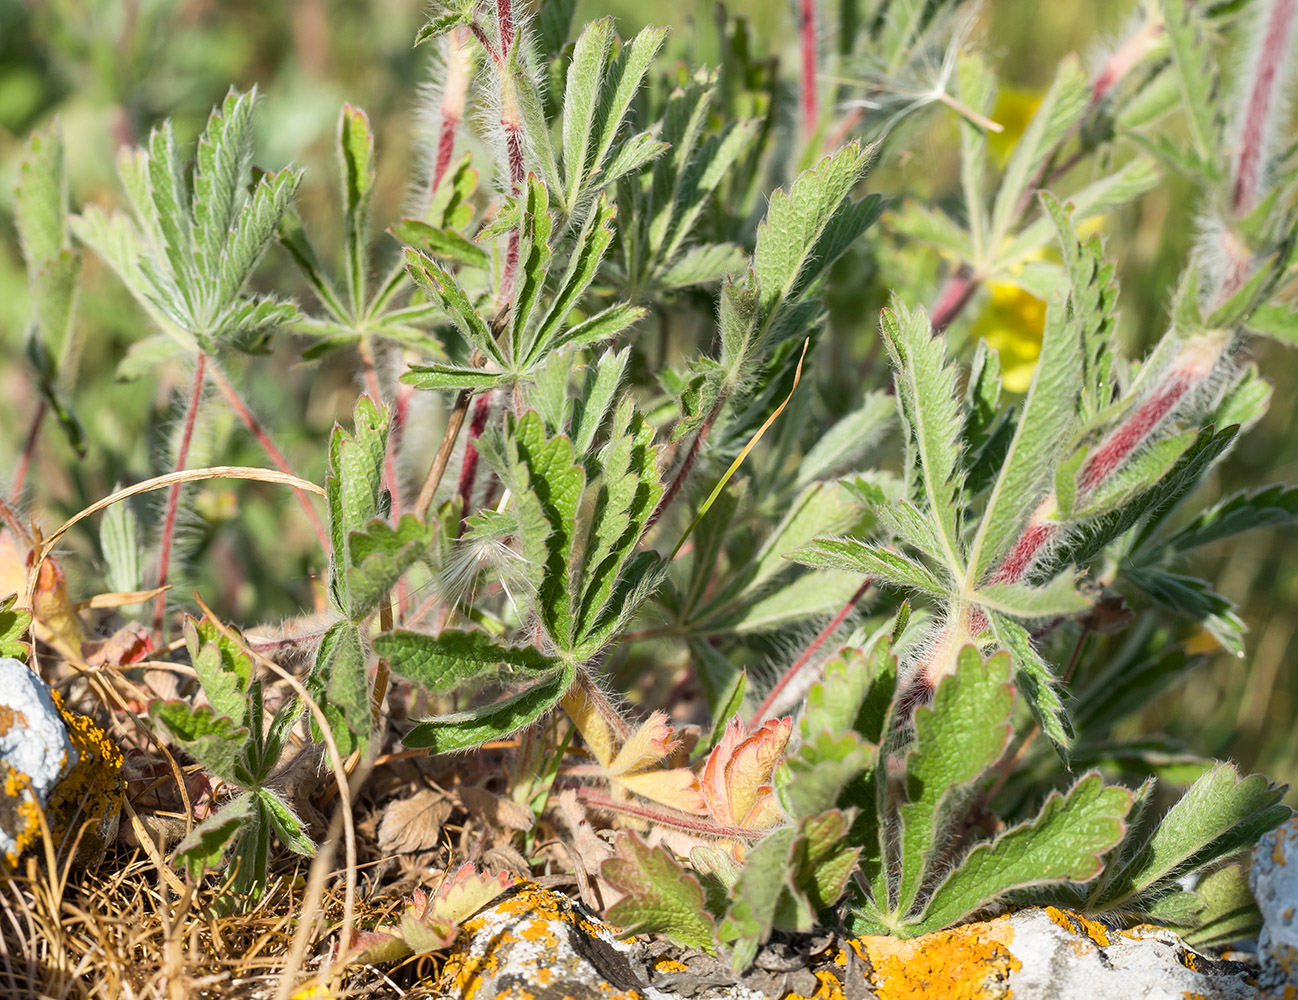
[1274,881]
[35,752]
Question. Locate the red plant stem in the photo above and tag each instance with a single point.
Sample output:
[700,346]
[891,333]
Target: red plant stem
[29,448]
[268,446]
[1261,105]
[1128,435]
[469,467]
[957,294]
[666,817]
[830,628]
[810,106]
[445,147]
[173,498]
[505,21]
[690,457]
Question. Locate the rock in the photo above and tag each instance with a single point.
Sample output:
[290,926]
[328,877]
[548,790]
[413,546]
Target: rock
[1274,881]
[57,761]
[537,943]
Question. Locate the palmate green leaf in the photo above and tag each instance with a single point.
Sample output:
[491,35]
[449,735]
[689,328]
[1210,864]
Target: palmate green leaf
[1060,110]
[618,85]
[339,683]
[223,668]
[14,623]
[1066,842]
[853,694]
[448,16]
[1219,910]
[445,661]
[931,422]
[210,738]
[1221,814]
[252,233]
[659,896]
[1035,679]
[468,730]
[224,161]
[906,523]
[534,227]
[379,556]
[604,325]
[962,734]
[1044,426]
[169,213]
[1092,304]
[870,560]
[1270,507]
[209,842]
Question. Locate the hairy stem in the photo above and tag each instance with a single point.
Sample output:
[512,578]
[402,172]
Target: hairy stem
[957,294]
[687,464]
[1260,108]
[173,498]
[268,446]
[821,638]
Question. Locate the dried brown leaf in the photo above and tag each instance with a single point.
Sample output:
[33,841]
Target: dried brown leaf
[413,824]
[494,812]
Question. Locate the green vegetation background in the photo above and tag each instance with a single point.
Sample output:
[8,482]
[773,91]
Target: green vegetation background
[112,68]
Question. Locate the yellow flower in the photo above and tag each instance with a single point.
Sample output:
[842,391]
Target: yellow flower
[1012,323]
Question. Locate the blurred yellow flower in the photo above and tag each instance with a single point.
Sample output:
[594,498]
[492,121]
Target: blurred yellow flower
[1012,323]
[1013,110]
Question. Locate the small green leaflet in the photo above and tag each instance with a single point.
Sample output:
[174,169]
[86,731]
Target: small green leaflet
[659,896]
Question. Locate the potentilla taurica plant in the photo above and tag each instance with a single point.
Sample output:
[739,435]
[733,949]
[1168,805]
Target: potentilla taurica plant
[817,656]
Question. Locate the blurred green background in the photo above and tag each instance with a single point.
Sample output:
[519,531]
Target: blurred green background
[110,69]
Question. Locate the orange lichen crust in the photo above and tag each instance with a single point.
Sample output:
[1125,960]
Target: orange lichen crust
[535,944]
[972,962]
[91,790]
[20,813]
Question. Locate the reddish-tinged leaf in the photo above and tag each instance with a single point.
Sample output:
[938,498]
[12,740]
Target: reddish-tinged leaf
[659,896]
[736,781]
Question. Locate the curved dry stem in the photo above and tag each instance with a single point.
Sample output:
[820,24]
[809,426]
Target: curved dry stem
[335,762]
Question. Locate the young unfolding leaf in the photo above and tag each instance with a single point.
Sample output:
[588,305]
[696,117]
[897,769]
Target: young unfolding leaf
[736,779]
[659,896]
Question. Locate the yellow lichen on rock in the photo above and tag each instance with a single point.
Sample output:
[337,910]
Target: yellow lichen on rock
[91,790]
[972,962]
